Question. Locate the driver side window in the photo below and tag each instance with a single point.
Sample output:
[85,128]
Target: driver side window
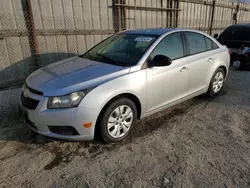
[171,46]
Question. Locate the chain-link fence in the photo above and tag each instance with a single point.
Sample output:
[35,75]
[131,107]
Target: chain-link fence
[34,33]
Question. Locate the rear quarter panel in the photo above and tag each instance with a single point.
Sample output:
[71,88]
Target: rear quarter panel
[221,58]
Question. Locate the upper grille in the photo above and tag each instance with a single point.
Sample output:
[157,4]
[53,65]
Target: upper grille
[28,102]
[34,91]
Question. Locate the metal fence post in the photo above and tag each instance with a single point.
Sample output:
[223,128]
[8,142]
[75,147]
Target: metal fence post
[212,18]
[176,13]
[117,21]
[134,15]
[125,15]
[120,15]
[32,36]
[235,14]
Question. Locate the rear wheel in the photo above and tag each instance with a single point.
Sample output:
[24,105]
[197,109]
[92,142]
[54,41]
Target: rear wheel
[217,82]
[118,120]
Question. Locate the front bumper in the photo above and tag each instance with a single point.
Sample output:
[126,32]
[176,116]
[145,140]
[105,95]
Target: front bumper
[40,119]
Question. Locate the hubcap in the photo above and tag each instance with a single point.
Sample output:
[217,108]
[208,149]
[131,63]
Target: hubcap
[120,121]
[218,82]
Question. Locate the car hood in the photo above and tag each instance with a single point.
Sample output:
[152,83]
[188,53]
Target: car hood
[71,75]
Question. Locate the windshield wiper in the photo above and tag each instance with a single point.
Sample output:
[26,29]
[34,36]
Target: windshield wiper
[87,56]
[111,60]
[90,56]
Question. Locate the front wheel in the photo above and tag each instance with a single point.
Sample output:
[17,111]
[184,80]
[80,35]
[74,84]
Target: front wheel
[217,82]
[118,120]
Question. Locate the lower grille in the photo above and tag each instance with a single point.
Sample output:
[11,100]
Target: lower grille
[28,102]
[63,130]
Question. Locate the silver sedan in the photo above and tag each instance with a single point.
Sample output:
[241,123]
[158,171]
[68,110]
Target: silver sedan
[126,77]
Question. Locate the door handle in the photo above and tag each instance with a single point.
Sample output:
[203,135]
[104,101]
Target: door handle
[183,69]
[210,60]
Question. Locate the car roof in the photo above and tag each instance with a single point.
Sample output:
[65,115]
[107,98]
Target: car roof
[153,31]
[241,25]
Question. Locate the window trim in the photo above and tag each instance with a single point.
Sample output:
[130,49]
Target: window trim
[187,44]
[184,42]
[183,46]
[212,44]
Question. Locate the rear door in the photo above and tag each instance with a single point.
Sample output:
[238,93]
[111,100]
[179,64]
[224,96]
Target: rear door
[200,60]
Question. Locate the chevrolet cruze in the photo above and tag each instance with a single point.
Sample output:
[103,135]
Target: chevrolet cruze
[126,77]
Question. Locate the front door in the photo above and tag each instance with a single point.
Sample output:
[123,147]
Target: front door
[167,84]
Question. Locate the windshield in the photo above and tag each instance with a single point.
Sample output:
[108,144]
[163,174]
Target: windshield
[236,34]
[120,49]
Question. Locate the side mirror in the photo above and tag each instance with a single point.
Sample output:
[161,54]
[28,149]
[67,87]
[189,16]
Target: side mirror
[159,61]
[216,35]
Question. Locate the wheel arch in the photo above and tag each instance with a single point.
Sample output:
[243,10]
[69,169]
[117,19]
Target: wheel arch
[224,68]
[215,69]
[130,96]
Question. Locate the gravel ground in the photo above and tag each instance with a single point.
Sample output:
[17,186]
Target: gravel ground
[204,142]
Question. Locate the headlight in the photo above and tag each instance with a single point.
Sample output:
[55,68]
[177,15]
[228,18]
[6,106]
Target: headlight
[25,89]
[66,101]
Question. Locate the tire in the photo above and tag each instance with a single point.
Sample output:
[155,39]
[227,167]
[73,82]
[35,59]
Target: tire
[211,90]
[116,126]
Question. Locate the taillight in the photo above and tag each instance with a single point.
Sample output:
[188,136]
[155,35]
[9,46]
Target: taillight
[229,52]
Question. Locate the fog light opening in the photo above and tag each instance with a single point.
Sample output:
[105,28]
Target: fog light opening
[63,130]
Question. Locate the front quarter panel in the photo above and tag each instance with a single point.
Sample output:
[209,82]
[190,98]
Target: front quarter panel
[133,83]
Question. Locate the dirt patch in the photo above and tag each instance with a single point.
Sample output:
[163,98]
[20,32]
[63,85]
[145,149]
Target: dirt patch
[204,142]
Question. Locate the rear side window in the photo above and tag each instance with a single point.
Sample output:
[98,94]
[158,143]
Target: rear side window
[171,46]
[196,43]
[210,44]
